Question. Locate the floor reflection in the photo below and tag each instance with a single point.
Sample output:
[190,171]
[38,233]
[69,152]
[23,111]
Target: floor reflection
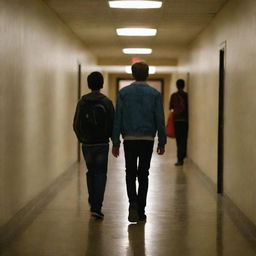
[94,238]
[181,215]
[136,235]
[219,227]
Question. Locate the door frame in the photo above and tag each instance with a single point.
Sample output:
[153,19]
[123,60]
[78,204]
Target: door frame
[79,94]
[220,172]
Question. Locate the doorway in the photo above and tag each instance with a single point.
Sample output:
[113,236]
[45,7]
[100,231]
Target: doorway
[79,94]
[220,175]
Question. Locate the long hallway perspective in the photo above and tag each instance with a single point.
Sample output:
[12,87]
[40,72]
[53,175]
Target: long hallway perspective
[185,218]
[47,50]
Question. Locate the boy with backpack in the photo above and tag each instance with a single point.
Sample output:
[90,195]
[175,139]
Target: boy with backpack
[93,122]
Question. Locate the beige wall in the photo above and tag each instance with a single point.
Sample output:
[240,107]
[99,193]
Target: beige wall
[38,94]
[236,25]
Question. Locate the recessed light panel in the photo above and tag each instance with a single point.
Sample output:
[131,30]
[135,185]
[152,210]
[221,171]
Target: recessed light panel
[152,70]
[137,50]
[128,69]
[136,31]
[135,4]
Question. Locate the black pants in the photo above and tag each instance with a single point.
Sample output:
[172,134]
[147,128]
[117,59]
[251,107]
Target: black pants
[181,135]
[137,162]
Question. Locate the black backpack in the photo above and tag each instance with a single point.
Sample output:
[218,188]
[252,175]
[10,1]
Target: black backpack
[91,120]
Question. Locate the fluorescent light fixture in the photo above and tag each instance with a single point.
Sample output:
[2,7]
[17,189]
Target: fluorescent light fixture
[135,4]
[128,69]
[121,69]
[137,50]
[152,70]
[136,31]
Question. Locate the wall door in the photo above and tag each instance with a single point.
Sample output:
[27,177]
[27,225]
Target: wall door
[221,119]
[79,94]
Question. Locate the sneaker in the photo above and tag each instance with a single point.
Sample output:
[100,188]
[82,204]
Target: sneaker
[179,163]
[97,215]
[133,214]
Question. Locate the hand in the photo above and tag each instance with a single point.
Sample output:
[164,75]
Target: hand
[115,151]
[160,151]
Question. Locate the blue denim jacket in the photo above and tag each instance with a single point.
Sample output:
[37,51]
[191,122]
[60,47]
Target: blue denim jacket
[139,112]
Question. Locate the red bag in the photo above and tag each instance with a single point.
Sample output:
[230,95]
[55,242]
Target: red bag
[170,132]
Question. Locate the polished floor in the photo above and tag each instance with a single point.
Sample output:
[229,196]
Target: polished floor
[184,219]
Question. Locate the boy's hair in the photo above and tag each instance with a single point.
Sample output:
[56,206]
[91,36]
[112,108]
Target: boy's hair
[140,71]
[95,81]
[180,84]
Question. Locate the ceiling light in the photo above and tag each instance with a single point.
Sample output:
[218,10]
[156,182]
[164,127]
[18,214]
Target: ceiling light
[152,70]
[137,50]
[135,4]
[136,31]
[128,69]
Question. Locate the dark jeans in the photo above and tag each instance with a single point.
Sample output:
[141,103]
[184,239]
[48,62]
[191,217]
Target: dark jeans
[181,135]
[96,159]
[137,162]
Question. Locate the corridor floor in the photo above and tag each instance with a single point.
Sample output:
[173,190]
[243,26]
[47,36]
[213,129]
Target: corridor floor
[184,219]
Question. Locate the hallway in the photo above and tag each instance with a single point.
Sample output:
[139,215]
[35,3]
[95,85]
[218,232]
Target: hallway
[184,219]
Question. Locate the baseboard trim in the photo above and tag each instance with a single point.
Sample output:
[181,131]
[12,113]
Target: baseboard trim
[209,184]
[31,210]
[244,224]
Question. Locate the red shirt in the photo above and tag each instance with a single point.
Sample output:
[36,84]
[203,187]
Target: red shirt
[179,104]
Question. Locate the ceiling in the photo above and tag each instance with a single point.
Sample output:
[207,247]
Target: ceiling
[178,22]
